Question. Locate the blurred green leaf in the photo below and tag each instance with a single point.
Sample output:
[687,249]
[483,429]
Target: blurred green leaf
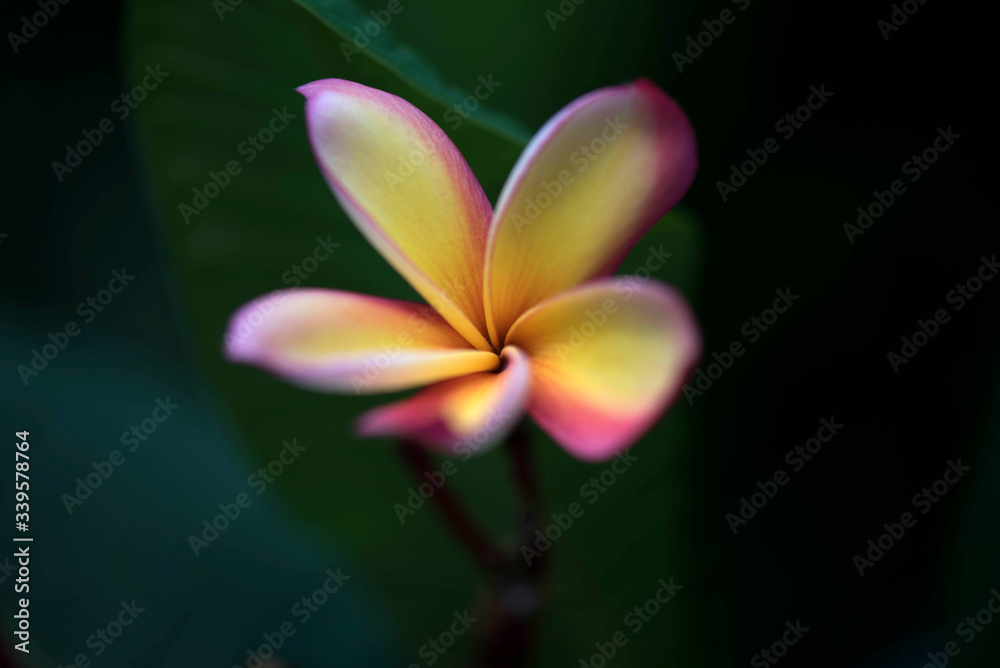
[361,33]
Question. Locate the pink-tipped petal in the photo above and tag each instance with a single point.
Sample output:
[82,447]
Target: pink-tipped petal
[410,192]
[607,358]
[349,343]
[458,416]
[586,188]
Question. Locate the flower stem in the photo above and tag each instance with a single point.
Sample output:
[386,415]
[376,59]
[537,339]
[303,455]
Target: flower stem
[511,634]
[507,629]
[485,553]
[522,469]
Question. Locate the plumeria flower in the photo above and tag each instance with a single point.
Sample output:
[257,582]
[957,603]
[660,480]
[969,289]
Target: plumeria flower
[526,315]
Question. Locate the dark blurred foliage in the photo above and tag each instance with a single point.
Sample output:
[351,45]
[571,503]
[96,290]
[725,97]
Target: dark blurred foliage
[826,358]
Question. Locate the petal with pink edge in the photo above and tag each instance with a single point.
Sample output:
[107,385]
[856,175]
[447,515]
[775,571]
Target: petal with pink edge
[350,343]
[606,359]
[586,188]
[409,191]
[458,416]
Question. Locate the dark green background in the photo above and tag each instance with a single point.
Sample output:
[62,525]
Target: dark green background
[665,517]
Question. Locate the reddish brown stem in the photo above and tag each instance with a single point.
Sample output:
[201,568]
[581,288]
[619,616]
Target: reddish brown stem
[485,553]
[507,630]
[522,470]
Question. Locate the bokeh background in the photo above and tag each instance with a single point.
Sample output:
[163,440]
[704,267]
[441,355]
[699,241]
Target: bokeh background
[333,506]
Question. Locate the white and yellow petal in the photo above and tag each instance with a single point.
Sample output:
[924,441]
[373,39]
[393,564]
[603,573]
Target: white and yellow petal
[588,185]
[410,192]
[606,358]
[459,416]
[345,342]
